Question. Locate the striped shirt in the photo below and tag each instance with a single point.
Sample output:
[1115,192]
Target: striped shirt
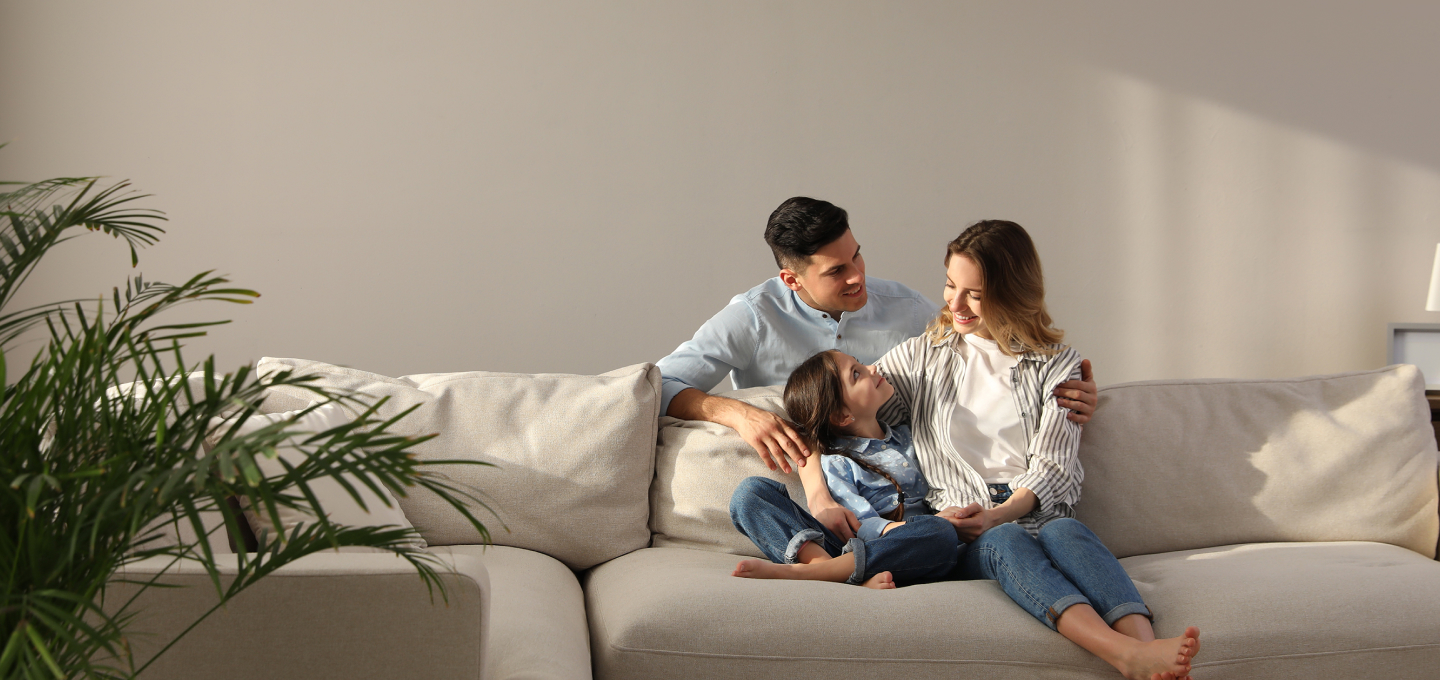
[926,376]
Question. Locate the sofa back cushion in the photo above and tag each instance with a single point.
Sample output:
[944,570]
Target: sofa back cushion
[697,467]
[573,454]
[1185,464]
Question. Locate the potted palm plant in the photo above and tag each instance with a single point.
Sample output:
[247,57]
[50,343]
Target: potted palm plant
[104,459]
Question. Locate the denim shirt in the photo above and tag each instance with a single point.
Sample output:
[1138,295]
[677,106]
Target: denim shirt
[869,495]
[762,335]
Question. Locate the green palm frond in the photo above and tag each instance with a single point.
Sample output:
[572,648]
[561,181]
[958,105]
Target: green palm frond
[104,449]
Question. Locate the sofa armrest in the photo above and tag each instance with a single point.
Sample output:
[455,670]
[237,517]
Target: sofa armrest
[332,615]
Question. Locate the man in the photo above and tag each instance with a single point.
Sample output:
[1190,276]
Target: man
[821,300]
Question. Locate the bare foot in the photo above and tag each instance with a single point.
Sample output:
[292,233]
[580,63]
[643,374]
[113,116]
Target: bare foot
[1167,659]
[764,569]
[880,581]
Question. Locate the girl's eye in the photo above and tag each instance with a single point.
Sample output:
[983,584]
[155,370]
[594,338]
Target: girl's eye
[854,375]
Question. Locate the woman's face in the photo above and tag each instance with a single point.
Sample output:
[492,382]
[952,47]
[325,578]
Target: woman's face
[865,390]
[963,284]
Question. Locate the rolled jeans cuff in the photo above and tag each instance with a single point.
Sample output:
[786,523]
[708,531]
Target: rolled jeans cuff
[856,546]
[1060,606]
[792,551]
[1125,610]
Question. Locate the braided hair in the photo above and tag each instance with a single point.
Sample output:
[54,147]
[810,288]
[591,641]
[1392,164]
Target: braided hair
[813,395]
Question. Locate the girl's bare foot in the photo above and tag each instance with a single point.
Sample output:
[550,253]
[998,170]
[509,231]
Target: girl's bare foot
[880,581]
[1167,659]
[765,569]
[837,570]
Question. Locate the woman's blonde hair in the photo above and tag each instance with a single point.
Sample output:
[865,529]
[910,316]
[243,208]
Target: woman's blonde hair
[1014,289]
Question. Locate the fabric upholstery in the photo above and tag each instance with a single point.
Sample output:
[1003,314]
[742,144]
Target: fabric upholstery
[730,627]
[1299,610]
[352,616]
[1284,610]
[537,615]
[572,455]
[1177,465]
[379,509]
[698,465]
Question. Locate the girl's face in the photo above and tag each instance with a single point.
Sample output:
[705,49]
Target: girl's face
[865,390]
[963,284]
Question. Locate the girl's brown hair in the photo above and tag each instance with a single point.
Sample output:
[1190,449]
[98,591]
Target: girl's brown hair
[1014,289]
[813,396]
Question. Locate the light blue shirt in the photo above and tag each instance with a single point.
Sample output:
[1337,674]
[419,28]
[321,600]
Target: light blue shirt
[762,335]
[870,495]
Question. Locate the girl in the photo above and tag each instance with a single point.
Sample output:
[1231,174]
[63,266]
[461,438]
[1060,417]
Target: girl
[870,468]
[1001,459]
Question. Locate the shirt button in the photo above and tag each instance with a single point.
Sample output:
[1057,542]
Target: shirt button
[838,336]
[824,316]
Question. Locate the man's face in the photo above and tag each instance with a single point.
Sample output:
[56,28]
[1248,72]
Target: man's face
[834,281]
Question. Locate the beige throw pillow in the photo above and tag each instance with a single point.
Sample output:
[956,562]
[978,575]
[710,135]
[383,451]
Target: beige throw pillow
[573,455]
[697,467]
[379,509]
[1184,464]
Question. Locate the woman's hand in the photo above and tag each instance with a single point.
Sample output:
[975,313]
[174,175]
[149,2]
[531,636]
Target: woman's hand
[970,521]
[973,520]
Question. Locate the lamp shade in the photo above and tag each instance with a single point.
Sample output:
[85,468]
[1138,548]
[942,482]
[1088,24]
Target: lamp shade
[1432,303]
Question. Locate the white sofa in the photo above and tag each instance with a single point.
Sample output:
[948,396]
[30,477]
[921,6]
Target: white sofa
[1294,521]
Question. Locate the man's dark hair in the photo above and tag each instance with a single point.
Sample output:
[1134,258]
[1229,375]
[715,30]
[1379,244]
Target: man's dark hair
[801,226]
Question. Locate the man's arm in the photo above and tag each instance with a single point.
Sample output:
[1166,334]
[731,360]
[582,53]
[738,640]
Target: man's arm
[769,434]
[775,441]
[1080,396]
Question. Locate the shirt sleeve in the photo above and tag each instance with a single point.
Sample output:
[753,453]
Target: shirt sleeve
[840,478]
[725,343]
[1054,473]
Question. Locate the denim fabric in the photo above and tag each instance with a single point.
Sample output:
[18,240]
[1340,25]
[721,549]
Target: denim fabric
[1065,566]
[923,549]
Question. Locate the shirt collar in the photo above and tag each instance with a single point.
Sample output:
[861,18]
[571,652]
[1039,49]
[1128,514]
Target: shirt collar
[863,444]
[819,316]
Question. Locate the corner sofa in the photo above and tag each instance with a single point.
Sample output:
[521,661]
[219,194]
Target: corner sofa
[1294,521]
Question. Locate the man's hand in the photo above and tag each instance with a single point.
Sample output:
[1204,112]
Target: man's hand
[1080,396]
[767,433]
[772,438]
[839,520]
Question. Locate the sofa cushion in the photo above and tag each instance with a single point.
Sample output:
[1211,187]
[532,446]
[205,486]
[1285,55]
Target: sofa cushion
[1289,610]
[1176,465]
[537,628]
[573,454]
[731,627]
[1299,610]
[697,467]
[379,507]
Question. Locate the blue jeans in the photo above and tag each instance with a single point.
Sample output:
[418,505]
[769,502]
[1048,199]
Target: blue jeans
[923,549]
[1067,565]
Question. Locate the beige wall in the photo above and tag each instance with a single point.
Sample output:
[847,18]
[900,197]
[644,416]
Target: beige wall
[1217,189]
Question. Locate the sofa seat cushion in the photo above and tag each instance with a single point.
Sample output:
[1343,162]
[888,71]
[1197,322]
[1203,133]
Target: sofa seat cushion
[678,613]
[1299,610]
[1286,610]
[537,627]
